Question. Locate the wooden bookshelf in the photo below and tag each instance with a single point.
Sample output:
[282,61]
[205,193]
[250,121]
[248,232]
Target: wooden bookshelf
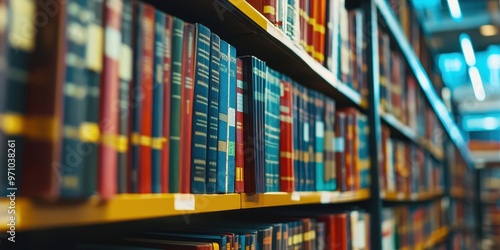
[401,197]
[300,198]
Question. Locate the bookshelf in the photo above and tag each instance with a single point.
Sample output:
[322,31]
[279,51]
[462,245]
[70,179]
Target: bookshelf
[244,27]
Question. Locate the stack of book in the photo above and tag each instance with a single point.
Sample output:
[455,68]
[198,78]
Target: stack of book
[407,168]
[134,100]
[347,230]
[411,226]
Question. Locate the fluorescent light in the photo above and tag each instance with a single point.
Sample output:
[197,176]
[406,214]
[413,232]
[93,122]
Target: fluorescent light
[488,30]
[467,49]
[477,84]
[455,11]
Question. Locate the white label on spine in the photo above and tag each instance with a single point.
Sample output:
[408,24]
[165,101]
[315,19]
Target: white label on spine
[306,132]
[282,89]
[295,196]
[113,43]
[320,129]
[239,104]
[125,63]
[339,144]
[325,197]
[184,202]
[231,117]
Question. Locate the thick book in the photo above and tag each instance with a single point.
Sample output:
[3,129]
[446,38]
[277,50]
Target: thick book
[297,153]
[107,176]
[125,63]
[287,183]
[90,127]
[40,178]
[340,150]
[175,105]
[157,139]
[200,110]
[222,164]
[187,93]
[231,128]
[330,167]
[73,172]
[213,114]
[272,130]
[240,127]
[167,87]
[319,141]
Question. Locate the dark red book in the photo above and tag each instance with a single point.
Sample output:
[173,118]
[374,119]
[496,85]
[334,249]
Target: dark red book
[108,103]
[353,145]
[310,27]
[320,30]
[148,36]
[286,138]
[41,177]
[303,24]
[266,7]
[165,156]
[187,93]
[353,73]
[239,186]
[342,233]
[340,154]
[385,160]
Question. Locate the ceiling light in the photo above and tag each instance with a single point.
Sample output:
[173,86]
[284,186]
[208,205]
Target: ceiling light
[467,49]
[477,84]
[455,11]
[488,30]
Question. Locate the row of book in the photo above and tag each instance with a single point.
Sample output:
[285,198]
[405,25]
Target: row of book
[461,211]
[461,177]
[407,168]
[463,241]
[343,231]
[148,103]
[411,226]
[401,96]
[331,34]
[490,184]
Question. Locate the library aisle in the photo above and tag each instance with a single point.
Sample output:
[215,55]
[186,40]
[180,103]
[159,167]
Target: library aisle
[250,124]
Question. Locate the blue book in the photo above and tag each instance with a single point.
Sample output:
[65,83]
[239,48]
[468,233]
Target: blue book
[231,116]
[364,152]
[319,146]
[157,130]
[272,130]
[261,78]
[213,114]
[222,167]
[200,110]
[72,170]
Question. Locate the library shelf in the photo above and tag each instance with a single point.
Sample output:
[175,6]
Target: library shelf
[300,198]
[424,81]
[32,215]
[460,193]
[402,197]
[238,23]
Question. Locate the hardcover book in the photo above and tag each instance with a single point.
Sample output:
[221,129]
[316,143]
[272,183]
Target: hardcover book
[286,137]
[241,103]
[222,164]
[167,97]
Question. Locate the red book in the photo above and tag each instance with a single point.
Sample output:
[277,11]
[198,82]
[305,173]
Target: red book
[165,156]
[340,159]
[187,95]
[41,177]
[286,138]
[320,31]
[349,152]
[311,24]
[330,230]
[144,171]
[353,135]
[239,186]
[109,101]
[341,241]
[266,7]
[353,73]
[303,24]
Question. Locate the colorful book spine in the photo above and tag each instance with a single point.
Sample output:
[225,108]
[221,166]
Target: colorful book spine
[110,88]
[363,152]
[311,118]
[231,140]
[260,74]
[40,178]
[344,44]
[272,130]
[213,114]
[291,20]
[175,106]
[157,139]
[125,73]
[72,173]
[286,137]
[304,137]
[187,93]
[297,155]
[340,148]
[350,152]
[330,171]
[319,148]
[240,135]
[222,164]
[94,60]
[200,110]
[167,88]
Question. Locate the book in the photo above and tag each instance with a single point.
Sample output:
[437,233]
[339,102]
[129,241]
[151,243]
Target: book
[319,147]
[231,134]
[287,140]
[297,153]
[272,130]
[340,148]
[330,166]
[311,151]
[175,106]
[222,163]
[240,135]
[167,97]
[157,139]
[187,93]
[107,179]
[200,110]
[213,114]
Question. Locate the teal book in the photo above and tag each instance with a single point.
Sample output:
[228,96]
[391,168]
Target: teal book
[222,164]
[231,121]
[319,147]
[364,152]
[272,130]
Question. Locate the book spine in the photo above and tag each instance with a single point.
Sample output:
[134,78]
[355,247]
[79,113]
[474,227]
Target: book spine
[110,88]
[287,139]
[350,152]
[330,171]
[292,20]
[187,93]
[311,150]
[213,114]
[344,44]
[231,142]
[260,75]
[271,120]
[320,29]
[319,147]
[200,110]
[125,74]
[146,85]
[240,128]
[167,97]
[320,236]
[249,113]
[222,164]
[303,132]
[297,156]
[40,178]
[340,150]
[175,106]
[157,140]
[353,57]
[310,27]
[269,8]
[360,56]
[72,173]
